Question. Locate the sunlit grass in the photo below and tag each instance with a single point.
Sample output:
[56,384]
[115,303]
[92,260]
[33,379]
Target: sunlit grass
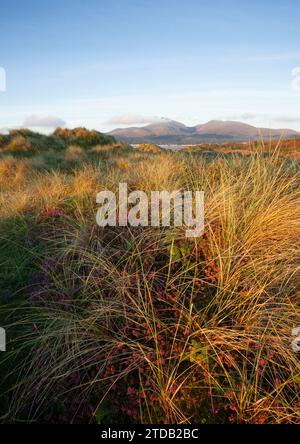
[140,325]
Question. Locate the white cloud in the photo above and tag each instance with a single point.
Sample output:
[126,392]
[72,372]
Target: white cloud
[287,119]
[253,116]
[43,121]
[133,119]
[244,116]
[268,118]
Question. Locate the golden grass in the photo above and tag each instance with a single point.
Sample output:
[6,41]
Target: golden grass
[149,148]
[75,153]
[230,300]
[13,172]
[287,148]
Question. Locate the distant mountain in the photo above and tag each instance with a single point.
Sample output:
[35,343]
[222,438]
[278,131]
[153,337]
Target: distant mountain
[163,128]
[170,131]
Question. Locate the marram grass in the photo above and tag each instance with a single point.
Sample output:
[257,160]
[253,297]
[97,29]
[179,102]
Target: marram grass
[141,324]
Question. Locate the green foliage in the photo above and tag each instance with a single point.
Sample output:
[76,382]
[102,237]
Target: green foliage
[104,411]
[181,253]
[17,254]
[198,353]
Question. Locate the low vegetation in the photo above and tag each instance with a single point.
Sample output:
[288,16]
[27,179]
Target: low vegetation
[288,148]
[141,325]
[28,142]
[149,148]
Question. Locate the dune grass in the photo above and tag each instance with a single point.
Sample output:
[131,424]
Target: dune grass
[140,324]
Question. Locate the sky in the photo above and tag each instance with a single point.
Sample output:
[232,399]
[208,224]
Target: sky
[104,64]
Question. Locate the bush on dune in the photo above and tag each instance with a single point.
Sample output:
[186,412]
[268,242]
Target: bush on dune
[26,141]
[83,137]
[74,153]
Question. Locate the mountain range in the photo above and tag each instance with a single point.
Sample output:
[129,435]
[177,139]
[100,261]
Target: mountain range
[172,132]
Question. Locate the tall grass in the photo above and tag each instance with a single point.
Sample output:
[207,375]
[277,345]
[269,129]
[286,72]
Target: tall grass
[142,325]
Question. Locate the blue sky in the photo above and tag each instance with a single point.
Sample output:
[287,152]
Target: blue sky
[111,63]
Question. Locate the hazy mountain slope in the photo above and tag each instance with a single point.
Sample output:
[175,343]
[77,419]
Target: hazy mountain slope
[238,129]
[169,131]
[164,128]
